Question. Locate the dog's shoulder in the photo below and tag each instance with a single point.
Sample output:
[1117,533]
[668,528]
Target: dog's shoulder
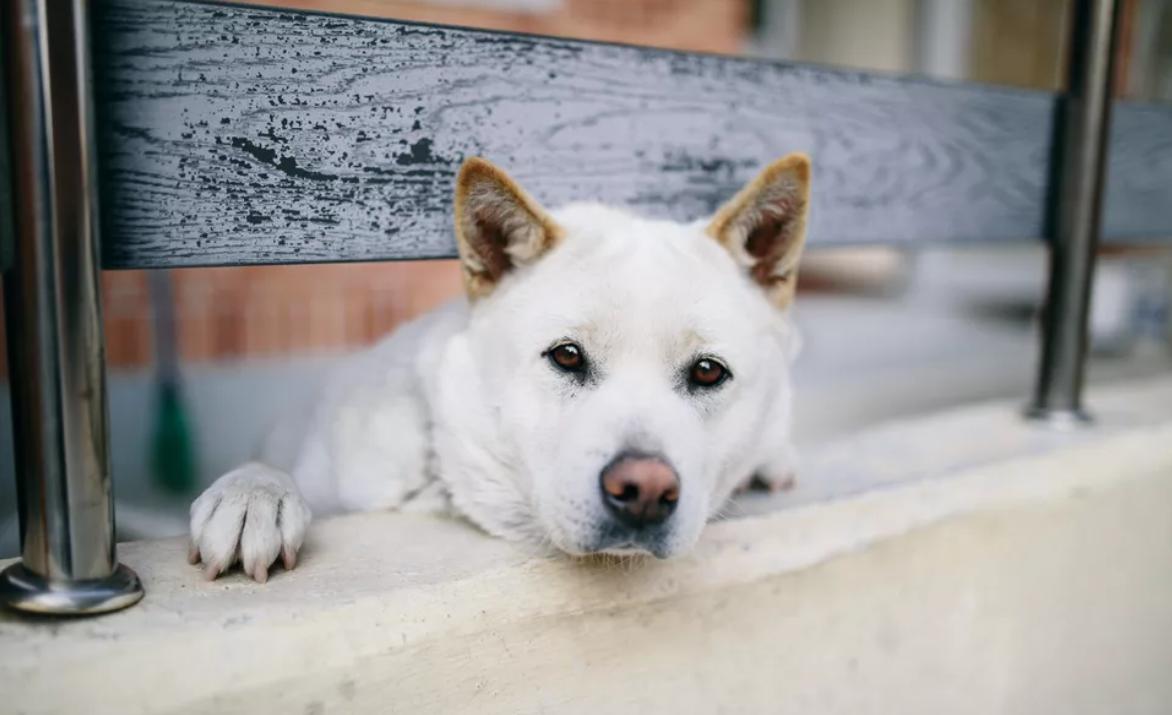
[363,441]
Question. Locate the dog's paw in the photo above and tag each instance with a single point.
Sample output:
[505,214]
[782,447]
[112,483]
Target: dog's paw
[252,514]
[772,484]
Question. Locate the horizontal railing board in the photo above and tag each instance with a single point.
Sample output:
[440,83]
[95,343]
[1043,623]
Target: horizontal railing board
[233,135]
[1138,199]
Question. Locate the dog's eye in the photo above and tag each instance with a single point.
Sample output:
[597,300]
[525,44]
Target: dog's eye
[568,357]
[707,372]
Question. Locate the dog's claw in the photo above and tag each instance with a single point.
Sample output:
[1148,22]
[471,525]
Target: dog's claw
[760,483]
[289,558]
[192,554]
[784,484]
[248,516]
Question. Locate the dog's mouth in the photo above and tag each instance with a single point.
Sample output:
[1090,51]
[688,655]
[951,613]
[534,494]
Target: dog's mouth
[625,545]
[613,538]
[619,541]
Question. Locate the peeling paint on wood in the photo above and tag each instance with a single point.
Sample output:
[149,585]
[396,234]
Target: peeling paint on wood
[233,135]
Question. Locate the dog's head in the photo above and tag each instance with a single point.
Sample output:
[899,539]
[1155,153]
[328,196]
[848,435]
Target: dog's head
[619,376]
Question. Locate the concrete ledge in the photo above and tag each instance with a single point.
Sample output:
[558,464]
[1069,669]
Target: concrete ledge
[963,562]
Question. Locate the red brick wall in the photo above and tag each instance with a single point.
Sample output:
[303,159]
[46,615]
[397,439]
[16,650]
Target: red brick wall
[701,25]
[273,310]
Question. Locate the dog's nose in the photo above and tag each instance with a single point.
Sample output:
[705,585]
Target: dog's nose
[640,490]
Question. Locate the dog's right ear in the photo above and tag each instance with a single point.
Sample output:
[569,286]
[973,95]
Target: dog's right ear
[498,226]
[764,226]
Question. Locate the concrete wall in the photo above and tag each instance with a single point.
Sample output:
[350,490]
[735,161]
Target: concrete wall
[1001,567]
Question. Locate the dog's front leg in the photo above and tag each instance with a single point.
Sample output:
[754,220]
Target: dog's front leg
[776,474]
[254,513]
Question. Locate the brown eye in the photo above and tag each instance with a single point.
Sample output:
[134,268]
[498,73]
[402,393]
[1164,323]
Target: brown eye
[707,372]
[568,357]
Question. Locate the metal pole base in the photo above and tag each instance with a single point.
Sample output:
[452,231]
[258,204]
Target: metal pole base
[1063,419]
[24,590]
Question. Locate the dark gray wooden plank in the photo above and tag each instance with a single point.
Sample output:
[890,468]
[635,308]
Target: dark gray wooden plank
[235,135]
[1139,176]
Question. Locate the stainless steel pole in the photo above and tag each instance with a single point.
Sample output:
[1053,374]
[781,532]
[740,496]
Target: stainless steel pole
[1075,202]
[54,331]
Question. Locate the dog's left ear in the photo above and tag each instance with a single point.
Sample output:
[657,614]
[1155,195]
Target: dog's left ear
[498,226]
[764,226]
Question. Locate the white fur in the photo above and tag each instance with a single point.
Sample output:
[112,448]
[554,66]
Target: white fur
[461,405]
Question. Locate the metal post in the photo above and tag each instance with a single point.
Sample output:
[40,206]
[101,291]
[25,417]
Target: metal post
[54,322]
[1075,202]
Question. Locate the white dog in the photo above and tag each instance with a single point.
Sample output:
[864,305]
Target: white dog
[608,383]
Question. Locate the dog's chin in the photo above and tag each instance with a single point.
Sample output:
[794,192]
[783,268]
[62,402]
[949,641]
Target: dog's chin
[623,550]
[635,552]
[609,557]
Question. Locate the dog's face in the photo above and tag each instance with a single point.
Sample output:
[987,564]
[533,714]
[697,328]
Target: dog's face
[619,376]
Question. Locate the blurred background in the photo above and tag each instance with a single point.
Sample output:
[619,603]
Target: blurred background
[200,361]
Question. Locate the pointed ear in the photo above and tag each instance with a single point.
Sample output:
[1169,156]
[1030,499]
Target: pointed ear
[764,226]
[498,226]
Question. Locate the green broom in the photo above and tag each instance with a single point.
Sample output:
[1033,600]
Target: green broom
[172,452]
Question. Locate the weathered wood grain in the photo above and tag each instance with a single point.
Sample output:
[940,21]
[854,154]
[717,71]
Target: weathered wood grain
[236,135]
[1138,198]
